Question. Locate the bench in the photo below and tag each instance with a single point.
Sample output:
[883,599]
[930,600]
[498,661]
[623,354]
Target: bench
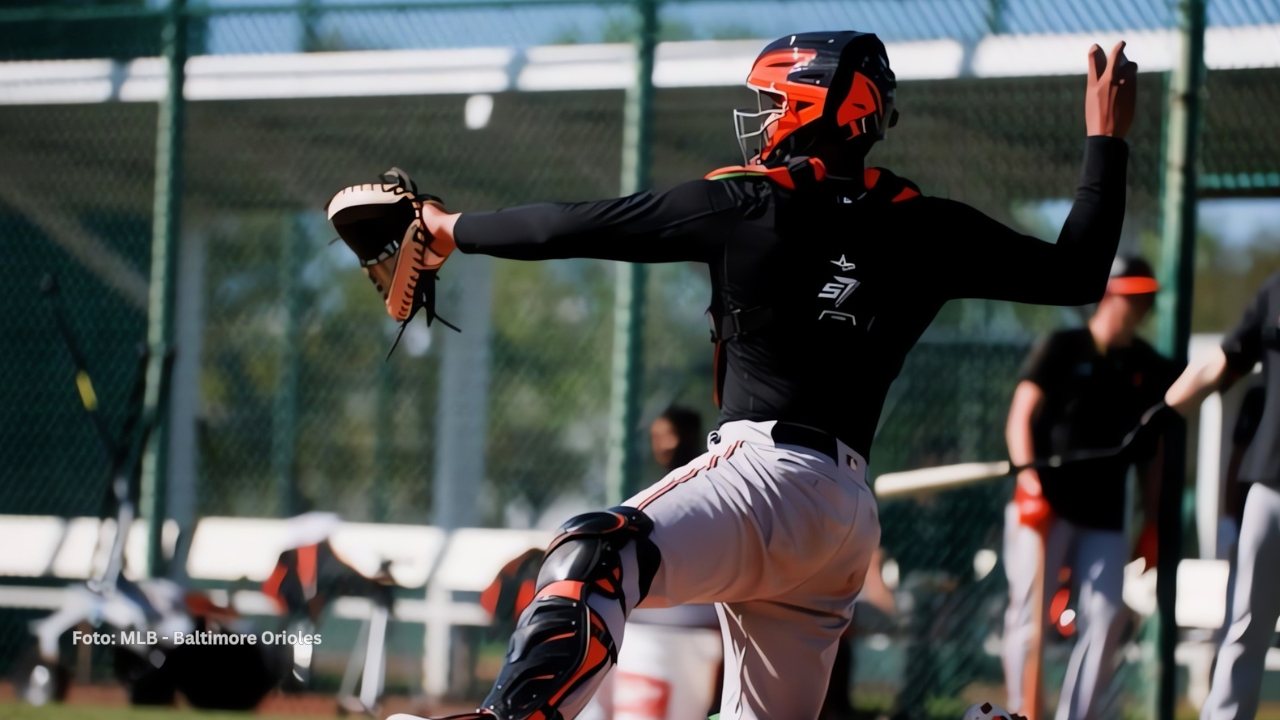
[445,570]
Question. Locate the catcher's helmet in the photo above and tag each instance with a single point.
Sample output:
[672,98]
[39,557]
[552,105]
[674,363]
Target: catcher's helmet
[818,87]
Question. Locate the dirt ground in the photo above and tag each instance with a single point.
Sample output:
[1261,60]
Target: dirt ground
[85,701]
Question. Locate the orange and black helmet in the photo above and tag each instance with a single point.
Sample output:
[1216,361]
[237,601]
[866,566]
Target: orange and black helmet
[815,89]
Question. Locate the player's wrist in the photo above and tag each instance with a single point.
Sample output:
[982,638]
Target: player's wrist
[1029,482]
[439,223]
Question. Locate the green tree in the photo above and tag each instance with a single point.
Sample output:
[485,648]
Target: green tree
[550,394]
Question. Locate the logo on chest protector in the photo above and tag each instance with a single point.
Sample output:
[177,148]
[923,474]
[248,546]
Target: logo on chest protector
[838,290]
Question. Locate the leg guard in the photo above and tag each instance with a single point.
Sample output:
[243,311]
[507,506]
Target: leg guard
[564,644]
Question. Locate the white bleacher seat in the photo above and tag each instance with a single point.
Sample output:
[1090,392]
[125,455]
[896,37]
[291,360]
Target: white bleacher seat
[70,548]
[29,544]
[230,548]
[1201,605]
[76,555]
[1202,593]
[475,555]
[136,545]
[412,549]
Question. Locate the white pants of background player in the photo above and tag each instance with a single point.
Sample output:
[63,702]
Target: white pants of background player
[1255,606]
[1097,559]
[666,669]
[781,537]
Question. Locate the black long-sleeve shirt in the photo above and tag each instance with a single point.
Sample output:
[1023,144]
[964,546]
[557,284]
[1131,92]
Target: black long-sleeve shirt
[848,278]
[1257,338]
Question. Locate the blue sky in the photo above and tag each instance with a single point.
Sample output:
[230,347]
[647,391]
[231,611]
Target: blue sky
[1238,222]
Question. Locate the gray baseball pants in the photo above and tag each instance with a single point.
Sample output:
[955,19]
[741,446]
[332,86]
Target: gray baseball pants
[780,538]
[1097,559]
[1255,607]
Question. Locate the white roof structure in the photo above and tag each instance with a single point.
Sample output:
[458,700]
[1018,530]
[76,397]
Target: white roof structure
[468,71]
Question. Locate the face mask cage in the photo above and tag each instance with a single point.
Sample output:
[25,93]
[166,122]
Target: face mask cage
[753,128]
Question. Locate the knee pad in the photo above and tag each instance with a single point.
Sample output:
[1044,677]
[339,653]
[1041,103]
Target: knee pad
[563,646]
[587,549]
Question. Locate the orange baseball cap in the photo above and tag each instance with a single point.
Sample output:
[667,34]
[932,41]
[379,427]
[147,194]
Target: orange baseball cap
[1131,275]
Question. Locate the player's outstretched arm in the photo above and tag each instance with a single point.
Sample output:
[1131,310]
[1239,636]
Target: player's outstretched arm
[1197,382]
[677,225]
[1028,496]
[402,237]
[1240,350]
[1004,264]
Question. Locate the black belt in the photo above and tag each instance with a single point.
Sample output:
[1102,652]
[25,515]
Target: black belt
[808,437]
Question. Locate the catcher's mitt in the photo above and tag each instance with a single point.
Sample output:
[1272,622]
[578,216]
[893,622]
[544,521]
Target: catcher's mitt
[382,223]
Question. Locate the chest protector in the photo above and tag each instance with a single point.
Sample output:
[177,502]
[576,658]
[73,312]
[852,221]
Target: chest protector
[727,322]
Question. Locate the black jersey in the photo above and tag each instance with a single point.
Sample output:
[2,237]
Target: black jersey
[833,281]
[1257,339]
[1092,401]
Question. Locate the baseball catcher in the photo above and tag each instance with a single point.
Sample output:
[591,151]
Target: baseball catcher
[824,273]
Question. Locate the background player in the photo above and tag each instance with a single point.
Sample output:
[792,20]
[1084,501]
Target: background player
[1080,389]
[824,275]
[1255,604]
[1231,512]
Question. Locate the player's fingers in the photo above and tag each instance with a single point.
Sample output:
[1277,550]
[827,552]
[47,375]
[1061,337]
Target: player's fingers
[1116,57]
[1127,74]
[1126,69]
[1097,61]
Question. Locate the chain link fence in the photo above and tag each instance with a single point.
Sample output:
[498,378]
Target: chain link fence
[293,404]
